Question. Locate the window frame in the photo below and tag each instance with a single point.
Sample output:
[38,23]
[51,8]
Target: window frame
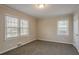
[6,37]
[27,27]
[64,28]
[18,28]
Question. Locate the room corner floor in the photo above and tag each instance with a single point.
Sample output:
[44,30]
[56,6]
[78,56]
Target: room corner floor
[44,48]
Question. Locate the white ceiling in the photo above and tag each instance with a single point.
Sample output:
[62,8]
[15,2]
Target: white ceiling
[49,11]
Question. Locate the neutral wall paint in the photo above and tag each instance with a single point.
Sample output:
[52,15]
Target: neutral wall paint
[6,45]
[47,30]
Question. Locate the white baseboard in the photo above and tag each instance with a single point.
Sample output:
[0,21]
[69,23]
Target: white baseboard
[23,43]
[54,41]
[1,52]
[76,47]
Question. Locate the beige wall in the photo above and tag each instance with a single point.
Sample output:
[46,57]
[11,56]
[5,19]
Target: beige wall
[47,30]
[6,45]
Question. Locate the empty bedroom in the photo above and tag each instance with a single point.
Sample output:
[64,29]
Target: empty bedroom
[39,29]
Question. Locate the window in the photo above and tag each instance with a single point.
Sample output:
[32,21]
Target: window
[24,27]
[15,27]
[11,25]
[62,27]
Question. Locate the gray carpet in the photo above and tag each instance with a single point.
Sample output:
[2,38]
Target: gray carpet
[44,48]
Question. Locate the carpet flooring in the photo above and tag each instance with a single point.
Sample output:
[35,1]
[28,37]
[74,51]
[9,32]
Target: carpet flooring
[44,48]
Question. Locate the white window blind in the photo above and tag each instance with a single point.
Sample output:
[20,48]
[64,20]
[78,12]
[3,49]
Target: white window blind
[15,27]
[62,27]
[11,26]
[24,27]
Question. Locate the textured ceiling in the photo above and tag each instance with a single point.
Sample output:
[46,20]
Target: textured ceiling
[49,11]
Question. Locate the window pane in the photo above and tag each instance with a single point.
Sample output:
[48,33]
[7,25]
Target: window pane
[11,22]
[24,27]
[11,26]
[24,31]
[11,29]
[24,23]
[63,27]
[11,35]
